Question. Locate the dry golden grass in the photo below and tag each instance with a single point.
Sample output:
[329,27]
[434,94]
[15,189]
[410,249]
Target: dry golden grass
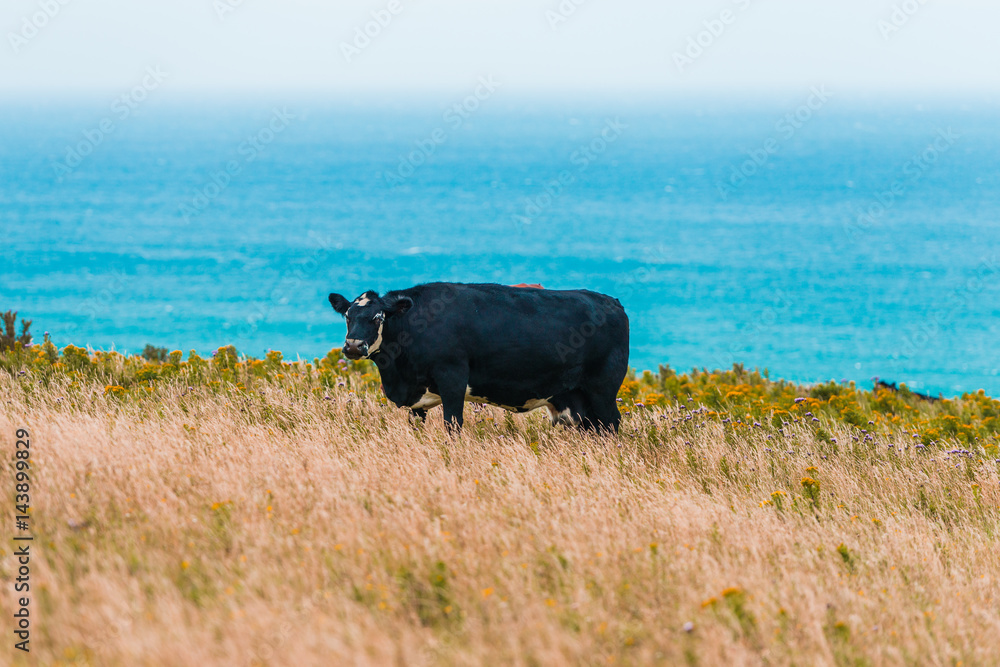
[281,528]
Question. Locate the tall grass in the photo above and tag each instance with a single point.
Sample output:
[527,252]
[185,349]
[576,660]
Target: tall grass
[235,512]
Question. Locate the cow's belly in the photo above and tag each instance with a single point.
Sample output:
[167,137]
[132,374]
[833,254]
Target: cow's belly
[430,400]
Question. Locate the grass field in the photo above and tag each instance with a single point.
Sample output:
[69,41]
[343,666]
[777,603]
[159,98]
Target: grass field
[232,511]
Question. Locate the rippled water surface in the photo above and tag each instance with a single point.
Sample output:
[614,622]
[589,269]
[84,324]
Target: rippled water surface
[860,242]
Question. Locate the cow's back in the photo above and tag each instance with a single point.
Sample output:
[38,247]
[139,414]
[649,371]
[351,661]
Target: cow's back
[519,343]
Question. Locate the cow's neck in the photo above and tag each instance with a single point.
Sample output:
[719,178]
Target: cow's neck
[389,352]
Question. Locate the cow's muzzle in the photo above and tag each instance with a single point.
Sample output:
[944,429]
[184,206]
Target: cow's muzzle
[355,349]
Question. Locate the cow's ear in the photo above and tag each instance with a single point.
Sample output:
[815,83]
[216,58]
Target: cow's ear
[398,304]
[339,303]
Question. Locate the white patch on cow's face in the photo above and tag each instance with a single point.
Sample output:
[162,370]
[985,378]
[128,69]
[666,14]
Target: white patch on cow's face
[428,400]
[373,348]
[362,300]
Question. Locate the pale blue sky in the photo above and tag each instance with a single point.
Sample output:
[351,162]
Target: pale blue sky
[621,45]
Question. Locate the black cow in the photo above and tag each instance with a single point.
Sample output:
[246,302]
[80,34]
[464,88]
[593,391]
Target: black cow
[520,348]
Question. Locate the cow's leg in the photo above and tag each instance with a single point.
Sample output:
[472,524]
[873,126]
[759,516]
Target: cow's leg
[601,389]
[418,413]
[603,415]
[452,382]
[569,408]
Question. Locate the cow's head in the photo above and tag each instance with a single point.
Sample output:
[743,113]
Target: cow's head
[366,318]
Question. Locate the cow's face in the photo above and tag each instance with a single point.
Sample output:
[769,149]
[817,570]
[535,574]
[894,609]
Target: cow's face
[366,318]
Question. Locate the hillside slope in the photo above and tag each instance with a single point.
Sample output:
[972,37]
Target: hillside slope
[235,511]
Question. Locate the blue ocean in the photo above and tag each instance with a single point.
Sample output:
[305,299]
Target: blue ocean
[818,238]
